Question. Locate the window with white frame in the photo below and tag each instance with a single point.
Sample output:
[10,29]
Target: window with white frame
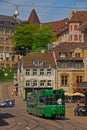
[77,55]
[27,71]
[49,83]
[37,62]
[40,62]
[49,71]
[28,83]
[41,71]
[70,27]
[64,65]
[79,79]
[34,71]
[75,27]
[78,65]
[34,83]
[63,54]
[64,80]
[42,83]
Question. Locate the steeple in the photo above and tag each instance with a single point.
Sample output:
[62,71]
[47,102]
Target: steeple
[33,18]
[16,12]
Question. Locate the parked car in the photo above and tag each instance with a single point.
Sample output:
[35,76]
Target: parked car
[80,111]
[3,104]
[11,102]
[7,103]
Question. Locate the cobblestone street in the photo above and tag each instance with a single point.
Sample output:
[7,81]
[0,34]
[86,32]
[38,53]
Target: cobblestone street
[16,118]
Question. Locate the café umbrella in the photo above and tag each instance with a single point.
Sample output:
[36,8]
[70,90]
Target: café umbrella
[78,94]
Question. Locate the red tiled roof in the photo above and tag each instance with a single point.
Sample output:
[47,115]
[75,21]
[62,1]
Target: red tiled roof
[33,18]
[79,16]
[58,26]
[47,59]
[83,27]
[66,48]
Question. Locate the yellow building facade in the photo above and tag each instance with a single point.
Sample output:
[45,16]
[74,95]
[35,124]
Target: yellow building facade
[70,65]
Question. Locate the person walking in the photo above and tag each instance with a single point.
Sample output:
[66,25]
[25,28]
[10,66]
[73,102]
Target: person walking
[78,102]
[12,93]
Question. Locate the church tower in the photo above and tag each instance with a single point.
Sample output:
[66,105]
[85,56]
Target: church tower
[33,18]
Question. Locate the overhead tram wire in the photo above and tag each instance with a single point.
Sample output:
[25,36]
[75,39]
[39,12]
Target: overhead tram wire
[8,2]
[5,1]
[34,5]
[40,6]
[46,6]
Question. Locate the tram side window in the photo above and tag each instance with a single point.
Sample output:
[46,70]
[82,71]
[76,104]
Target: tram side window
[34,101]
[41,100]
[30,103]
[49,100]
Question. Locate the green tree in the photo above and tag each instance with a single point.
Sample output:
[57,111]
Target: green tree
[42,38]
[33,37]
[6,74]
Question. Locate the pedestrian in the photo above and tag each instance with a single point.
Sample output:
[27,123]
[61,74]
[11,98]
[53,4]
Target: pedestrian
[78,103]
[12,93]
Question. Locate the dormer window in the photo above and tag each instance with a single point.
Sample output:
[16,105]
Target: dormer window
[37,62]
[77,55]
[63,54]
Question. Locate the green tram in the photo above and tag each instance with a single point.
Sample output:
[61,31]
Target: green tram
[47,103]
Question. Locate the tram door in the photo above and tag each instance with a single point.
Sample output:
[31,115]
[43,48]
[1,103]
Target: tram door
[34,104]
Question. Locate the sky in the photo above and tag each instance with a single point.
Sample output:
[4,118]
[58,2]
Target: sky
[47,10]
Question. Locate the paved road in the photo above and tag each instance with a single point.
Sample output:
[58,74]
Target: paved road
[17,118]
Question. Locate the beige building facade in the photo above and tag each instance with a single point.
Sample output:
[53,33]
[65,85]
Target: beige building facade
[36,71]
[8,57]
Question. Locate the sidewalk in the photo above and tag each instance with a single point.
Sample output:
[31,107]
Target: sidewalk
[10,86]
[18,100]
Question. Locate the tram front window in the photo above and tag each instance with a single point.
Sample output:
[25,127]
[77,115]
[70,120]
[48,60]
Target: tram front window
[59,101]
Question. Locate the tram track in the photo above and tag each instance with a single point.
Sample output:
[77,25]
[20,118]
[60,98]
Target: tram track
[72,124]
[77,124]
[19,119]
[33,124]
[42,123]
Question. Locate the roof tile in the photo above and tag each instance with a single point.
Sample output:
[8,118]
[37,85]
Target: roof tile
[67,48]
[47,59]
